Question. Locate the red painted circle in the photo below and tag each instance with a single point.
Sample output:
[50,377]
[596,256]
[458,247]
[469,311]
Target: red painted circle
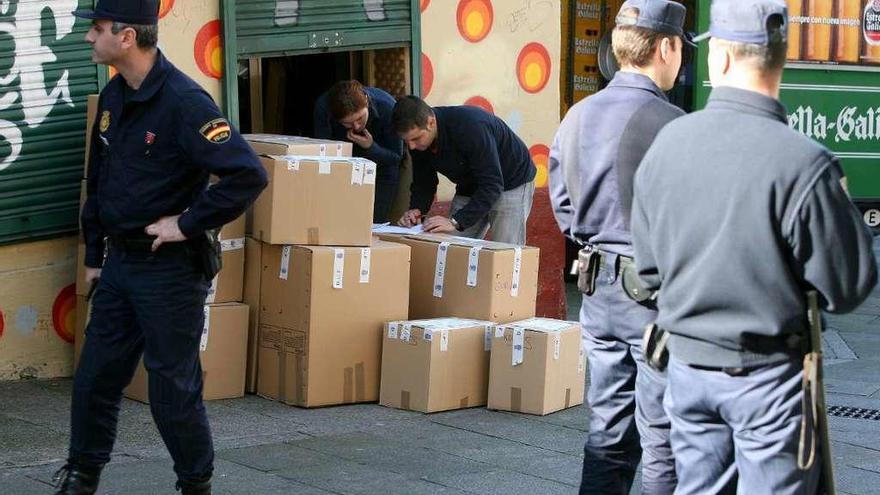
[480,102]
[1,324]
[208,49]
[427,75]
[165,6]
[64,313]
[423,4]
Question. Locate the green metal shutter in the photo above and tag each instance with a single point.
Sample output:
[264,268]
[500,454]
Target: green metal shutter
[284,27]
[46,74]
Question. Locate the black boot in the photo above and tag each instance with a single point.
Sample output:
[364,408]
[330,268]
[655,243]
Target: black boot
[202,487]
[75,479]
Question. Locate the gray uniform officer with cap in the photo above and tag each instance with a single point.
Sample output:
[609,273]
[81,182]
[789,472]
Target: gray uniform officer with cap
[594,156]
[735,218]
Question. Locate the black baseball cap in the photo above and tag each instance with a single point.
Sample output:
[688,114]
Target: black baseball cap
[145,12]
[745,21]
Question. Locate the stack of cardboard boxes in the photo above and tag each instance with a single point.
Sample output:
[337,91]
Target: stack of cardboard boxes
[323,285]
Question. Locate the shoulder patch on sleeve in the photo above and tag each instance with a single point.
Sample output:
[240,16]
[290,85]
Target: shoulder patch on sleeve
[216,131]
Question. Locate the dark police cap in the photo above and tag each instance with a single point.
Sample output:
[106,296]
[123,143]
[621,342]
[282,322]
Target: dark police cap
[145,12]
[746,21]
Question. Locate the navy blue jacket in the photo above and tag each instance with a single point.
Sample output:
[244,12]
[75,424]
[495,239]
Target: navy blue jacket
[387,148]
[152,155]
[594,157]
[479,153]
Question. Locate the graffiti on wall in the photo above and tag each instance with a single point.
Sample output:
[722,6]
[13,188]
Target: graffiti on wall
[287,11]
[25,82]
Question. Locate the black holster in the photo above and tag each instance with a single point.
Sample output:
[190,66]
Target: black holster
[588,269]
[654,348]
[208,254]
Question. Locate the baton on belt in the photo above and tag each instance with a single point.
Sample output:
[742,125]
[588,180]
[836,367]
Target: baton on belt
[814,424]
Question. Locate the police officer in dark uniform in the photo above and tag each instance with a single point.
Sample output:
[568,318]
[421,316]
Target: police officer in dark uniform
[595,153]
[157,137]
[735,218]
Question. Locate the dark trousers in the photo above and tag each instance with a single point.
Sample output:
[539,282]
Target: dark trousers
[627,423]
[387,181]
[150,304]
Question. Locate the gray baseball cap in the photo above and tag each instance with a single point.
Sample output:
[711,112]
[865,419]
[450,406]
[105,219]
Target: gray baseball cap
[662,16]
[745,21]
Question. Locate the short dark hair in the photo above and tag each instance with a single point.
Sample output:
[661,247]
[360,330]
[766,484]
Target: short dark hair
[346,98]
[765,58]
[410,111]
[146,35]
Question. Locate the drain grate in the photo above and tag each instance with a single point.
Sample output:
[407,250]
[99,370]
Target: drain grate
[854,413]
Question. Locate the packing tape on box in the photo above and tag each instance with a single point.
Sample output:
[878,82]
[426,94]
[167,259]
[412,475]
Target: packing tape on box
[406,332]
[324,167]
[357,172]
[232,244]
[203,342]
[487,338]
[444,340]
[440,268]
[285,263]
[517,266]
[581,360]
[473,265]
[370,173]
[567,398]
[338,267]
[212,290]
[515,399]
[392,330]
[557,341]
[354,386]
[365,266]
[314,235]
[404,399]
[519,338]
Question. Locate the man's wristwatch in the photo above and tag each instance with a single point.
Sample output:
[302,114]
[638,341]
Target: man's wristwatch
[455,224]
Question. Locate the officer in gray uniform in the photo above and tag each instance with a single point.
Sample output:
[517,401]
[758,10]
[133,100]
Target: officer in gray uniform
[735,218]
[594,156]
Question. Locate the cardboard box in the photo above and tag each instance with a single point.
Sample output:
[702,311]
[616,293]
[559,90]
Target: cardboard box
[37,309]
[91,115]
[223,352]
[435,365]
[227,285]
[469,278]
[316,201]
[276,144]
[321,320]
[537,366]
[253,272]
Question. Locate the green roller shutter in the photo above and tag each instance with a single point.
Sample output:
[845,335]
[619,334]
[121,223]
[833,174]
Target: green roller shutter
[46,74]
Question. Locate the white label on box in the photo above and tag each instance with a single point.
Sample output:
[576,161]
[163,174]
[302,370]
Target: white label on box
[232,244]
[365,265]
[369,173]
[292,164]
[556,343]
[405,332]
[338,267]
[499,332]
[581,361]
[444,340]
[392,330]
[519,337]
[323,149]
[473,265]
[440,269]
[428,335]
[357,172]
[203,342]
[487,338]
[338,149]
[212,290]
[517,265]
[285,262]
[324,167]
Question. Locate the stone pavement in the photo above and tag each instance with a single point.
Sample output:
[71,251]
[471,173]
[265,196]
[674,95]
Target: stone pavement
[268,448]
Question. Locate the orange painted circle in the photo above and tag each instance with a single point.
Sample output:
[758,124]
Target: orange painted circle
[165,7]
[2,324]
[64,313]
[474,19]
[541,156]
[533,67]
[427,75]
[423,4]
[208,50]
[480,102]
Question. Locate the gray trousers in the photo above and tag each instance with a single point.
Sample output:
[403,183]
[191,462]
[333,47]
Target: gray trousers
[627,421]
[507,218]
[738,434]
